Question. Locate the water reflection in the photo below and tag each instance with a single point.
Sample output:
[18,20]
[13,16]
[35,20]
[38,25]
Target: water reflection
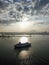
[23,39]
[23,55]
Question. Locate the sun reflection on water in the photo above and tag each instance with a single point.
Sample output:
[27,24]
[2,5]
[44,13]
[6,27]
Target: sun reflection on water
[23,39]
[23,54]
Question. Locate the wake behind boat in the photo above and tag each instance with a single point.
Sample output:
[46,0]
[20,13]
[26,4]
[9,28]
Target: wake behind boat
[21,45]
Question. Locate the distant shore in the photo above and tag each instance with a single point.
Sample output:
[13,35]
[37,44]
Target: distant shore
[13,34]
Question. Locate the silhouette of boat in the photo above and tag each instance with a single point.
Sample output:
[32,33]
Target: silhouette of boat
[22,45]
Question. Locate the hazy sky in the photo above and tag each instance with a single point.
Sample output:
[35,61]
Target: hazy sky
[24,15]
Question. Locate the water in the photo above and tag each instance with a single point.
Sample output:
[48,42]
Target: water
[37,54]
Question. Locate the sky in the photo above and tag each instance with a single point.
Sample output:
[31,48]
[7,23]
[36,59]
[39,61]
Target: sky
[24,15]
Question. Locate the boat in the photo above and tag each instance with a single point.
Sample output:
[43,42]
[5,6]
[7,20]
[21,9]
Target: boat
[22,45]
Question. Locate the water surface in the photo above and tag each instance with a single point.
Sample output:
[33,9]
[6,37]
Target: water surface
[37,54]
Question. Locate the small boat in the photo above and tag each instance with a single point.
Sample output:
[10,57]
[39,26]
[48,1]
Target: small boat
[21,45]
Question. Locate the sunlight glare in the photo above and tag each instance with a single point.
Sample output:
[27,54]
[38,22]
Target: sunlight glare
[23,39]
[23,54]
[24,25]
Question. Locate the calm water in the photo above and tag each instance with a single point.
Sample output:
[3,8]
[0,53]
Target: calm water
[37,54]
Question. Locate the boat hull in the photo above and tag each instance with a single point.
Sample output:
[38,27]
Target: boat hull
[22,45]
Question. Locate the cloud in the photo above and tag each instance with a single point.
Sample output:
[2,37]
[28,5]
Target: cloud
[12,11]
[42,22]
[40,4]
[3,4]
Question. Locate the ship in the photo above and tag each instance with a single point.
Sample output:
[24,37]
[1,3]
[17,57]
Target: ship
[22,45]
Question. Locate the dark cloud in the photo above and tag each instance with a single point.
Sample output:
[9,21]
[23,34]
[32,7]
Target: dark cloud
[38,3]
[6,22]
[17,0]
[3,4]
[25,1]
[41,4]
[26,8]
[42,23]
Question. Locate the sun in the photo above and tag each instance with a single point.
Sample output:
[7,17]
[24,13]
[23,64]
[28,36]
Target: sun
[24,25]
